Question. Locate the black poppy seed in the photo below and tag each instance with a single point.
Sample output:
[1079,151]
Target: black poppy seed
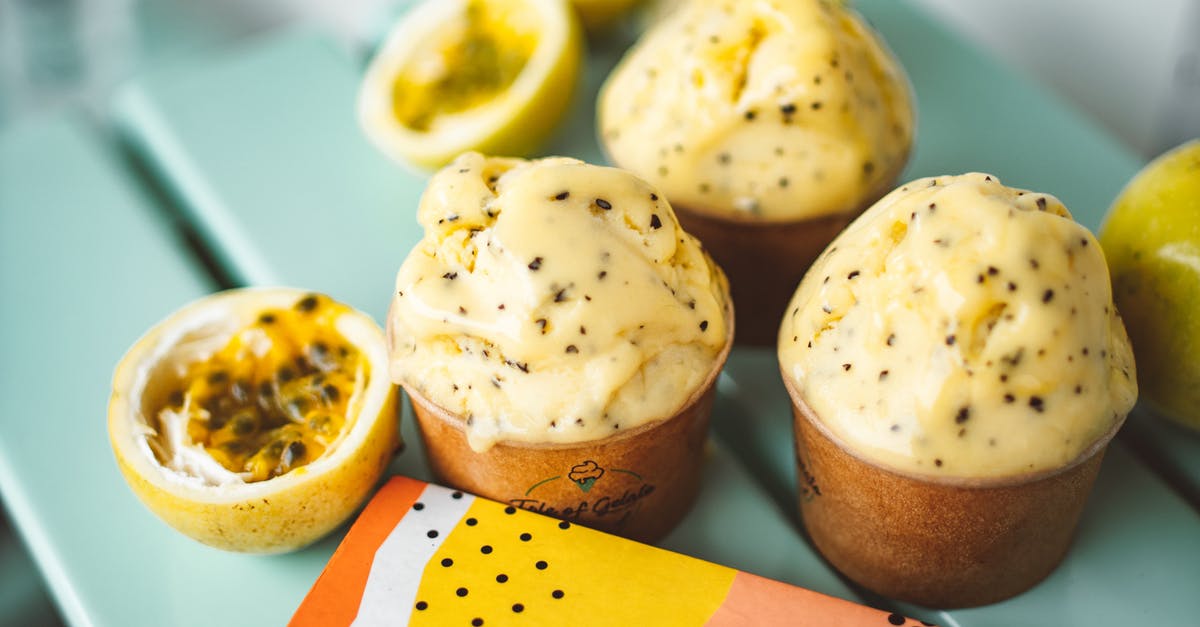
[750,115]
[937,462]
[476,622]
[723,158]
[603,204]
[501,578]
[847,367]
[1085,351]
[432,533]
[1033,263]
[993,270]
[655,222]
[564,525]
[471,522]
[510,510]
[950,339]
[462,592]
[562,195]
[583,330]
[571,348]
[267,318]
[536,263]
[787,109]
[525,537]
[1008,398]
[1047,296]
[421,605]
[1037,403]
[486,549]
[816,105]
[518,608]
[964,413]
[1079,389]
[654,197]
[1083,242]
[447,562]
[979,279]
[450,276]
[308,303]
[852,274]
[932,207]
[704,325]
[540,565]
[1012,287]
[1003,378]
[558,594]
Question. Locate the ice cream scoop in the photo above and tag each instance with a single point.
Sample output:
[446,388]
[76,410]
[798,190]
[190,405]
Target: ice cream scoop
[961,328]
[553,301]
[766,110]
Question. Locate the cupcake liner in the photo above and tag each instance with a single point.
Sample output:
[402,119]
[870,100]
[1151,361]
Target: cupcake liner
[938,542]
[765,260]
[638,483]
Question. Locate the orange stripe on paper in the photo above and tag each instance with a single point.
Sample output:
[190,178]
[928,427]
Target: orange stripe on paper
[335,597]
[753,600]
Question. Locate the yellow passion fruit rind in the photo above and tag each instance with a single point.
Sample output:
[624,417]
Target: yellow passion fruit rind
[230,445]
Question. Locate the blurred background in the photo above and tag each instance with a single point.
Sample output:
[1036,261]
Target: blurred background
[1133,67]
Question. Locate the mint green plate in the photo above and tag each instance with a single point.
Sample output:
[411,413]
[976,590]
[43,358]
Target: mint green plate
[260,150]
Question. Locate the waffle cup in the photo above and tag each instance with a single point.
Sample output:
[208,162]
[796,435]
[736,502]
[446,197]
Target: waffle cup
[638,483]
[939,542]
[765,260]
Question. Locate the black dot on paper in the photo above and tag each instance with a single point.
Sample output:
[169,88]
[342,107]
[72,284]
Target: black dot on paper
[447,562]
[456,495]
[476,622]
[485,549]
[518,608]
[418,506]
[471,522]
[564,525]
[501,578]
[432,533]
[421,605]
[525,537]
[895,619]
[558,594]
[462,592]
[510,510]
[541,565]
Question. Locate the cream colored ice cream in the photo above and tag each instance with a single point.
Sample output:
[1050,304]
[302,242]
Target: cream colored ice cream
[553,301]
[767,110]
[962,328]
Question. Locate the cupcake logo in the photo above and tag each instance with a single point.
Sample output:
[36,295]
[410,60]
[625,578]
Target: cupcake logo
[586,475]
[616,498]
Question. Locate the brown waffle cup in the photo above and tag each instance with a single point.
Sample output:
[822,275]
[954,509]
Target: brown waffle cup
[765,260]
[938,542]
[638,483]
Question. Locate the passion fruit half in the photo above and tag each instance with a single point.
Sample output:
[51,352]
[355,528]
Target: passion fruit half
[495,76]
[255,420]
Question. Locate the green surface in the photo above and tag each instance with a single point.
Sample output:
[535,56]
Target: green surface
[85,268]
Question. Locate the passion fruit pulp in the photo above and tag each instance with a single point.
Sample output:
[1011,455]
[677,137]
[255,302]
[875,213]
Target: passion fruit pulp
[255,420]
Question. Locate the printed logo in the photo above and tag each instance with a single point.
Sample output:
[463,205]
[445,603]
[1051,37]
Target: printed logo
[809,489]
[586,474]
[618,496]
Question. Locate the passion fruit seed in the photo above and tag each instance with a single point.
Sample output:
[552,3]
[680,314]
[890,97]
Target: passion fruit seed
[262,415]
